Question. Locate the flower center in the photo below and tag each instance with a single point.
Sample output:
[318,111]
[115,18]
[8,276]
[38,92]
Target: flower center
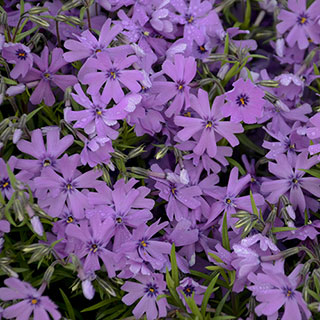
[302,19]
[173,190]
[180,86]
[187,114]
[46,163]
[94,248]
[47,76]
[98,50]
[119,220]
[209,124]
[242,100]
[98,112]
[288,292]
[146,33]
[34,301]
[70,219]
[151,290]
[143,243]
[113,74]
[189,18]
[21,54]
[228,201]
[188,290]
[5,184]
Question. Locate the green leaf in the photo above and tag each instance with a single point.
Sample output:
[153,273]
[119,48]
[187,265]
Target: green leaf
[174,266]
[253,205]
[247,16]
[249,144]
[193,306]
[223,317]
[313,294]
[26,33]
[221,304]
[99,305]
[12,178]
[207,294]
[9,81]
[313,172]
[282,229]
[225,236]
[231,73]
[68,305]
[21,7]
[236,164]
[31,114]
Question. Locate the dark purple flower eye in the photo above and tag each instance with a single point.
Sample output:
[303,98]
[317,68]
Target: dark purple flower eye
[94,248]
[288,292]
[143,243]
[189,18]
[34,301]
[242,100]
[5,184]
[70,219]
[151,290]
[188,290]
[21,54]
[47,76]
[113,74]
[303,19]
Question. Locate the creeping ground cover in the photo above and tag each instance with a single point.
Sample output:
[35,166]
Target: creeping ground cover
[160,159]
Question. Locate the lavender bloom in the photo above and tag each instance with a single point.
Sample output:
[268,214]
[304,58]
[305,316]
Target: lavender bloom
[180,196]
[33,303]
[97,119]
[124,213]
[291,178]
[301,22]
[54,191]
[244,102]
[96,151]
[5,184]
[46,156]
[142,246]
[113,73]
[313,132]
[182,72]
[148,288]
[47,76]
[188,286]
[94,241]
[89,46]
[274,289]
[208,123]
[20,55]
[228,197]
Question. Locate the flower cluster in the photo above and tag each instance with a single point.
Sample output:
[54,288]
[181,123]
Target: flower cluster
[162,152]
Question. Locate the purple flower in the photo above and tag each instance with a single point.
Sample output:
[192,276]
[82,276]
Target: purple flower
[274,289]
[149,288]
[182,72]
[301,22]
[5,184]
[113,73]
[189,287]
[88,45]
[33,303]
[97,118]
[46,156]
[46,75]
[142,247]
[94,240]
[207,128]
[228,199]
[20,55]
[128,210]
[313,132]
[53,191]
[180,196]
[244,102]
[291,178]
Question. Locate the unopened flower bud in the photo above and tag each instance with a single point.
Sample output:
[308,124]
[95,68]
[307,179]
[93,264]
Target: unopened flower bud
[223,71]
[37,10]
[87,289]
[15,90]
[16,136]
[41,22]
[37,225]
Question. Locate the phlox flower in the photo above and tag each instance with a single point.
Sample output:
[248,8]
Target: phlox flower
[33,302]
[301,23]
[208,124]
[273,289]
[47,75]
[148,289]
[244,102]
